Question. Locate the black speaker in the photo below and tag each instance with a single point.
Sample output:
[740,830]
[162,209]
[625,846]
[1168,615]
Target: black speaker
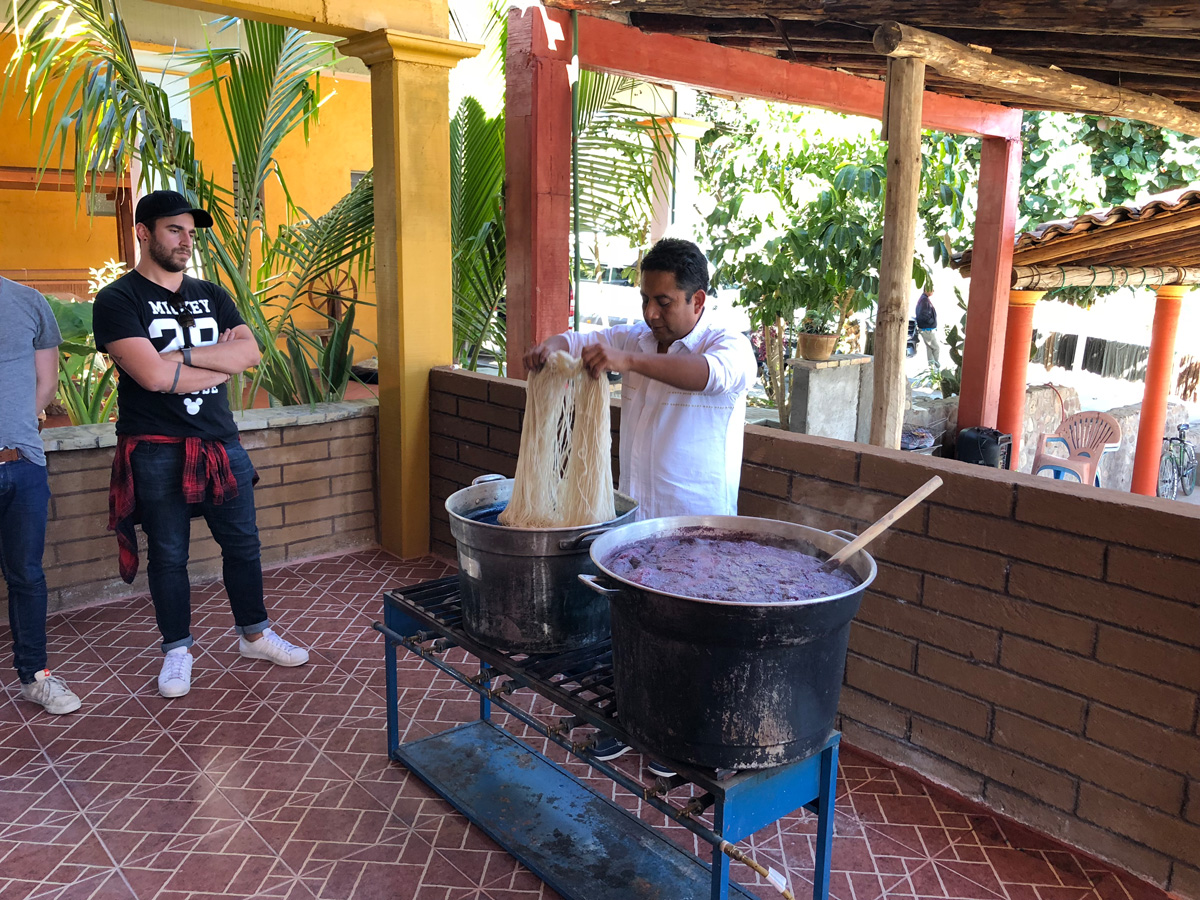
[983,447]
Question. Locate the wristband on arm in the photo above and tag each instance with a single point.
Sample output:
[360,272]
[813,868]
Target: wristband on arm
[175,383]
[187,356]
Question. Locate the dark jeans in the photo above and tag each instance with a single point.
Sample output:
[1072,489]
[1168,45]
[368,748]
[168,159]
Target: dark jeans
[24,501]
[166,521]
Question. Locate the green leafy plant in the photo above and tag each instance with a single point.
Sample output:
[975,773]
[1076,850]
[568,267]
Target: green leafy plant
[100,278]
[74,60]
[86,383]
[625,157]
[477,234]
[322,369]
[950,380]
[796,218]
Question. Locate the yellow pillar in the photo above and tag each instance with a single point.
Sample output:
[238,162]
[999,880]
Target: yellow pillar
[410,122]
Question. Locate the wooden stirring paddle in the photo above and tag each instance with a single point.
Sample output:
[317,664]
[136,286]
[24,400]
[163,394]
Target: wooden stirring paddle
[882,524]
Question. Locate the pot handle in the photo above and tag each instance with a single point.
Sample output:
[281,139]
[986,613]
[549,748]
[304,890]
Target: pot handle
[594,583]
[848,535]
[483,479]
[577,542]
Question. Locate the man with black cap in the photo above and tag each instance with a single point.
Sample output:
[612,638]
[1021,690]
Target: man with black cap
[176,340]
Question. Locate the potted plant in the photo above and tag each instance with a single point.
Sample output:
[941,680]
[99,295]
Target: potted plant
[817,336]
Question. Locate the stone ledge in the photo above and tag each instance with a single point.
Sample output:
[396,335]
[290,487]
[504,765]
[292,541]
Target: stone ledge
[94,437]
[838,359]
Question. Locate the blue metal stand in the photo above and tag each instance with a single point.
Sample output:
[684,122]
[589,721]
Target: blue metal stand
[579,843]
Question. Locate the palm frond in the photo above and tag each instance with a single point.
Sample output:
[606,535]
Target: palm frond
[263,94]
[73,62]
[625,155]
[477,231]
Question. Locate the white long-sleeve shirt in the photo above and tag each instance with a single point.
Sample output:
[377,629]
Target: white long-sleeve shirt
[681,451]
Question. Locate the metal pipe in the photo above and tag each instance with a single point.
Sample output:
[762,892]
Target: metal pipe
[774,878]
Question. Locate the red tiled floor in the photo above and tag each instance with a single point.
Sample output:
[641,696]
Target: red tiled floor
[274,783]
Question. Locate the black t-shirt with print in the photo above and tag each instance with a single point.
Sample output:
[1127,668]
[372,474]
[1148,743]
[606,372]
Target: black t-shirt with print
[134,306]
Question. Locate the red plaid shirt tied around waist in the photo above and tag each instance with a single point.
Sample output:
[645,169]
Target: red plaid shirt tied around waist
[206,476]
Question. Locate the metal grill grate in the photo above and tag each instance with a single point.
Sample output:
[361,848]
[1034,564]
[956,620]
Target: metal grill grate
[578,680]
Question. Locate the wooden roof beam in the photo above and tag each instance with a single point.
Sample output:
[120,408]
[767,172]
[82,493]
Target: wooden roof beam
[1047,278]
[954,60]
[1145,18]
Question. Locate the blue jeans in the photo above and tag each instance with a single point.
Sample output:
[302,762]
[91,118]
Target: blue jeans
[166,521]
[24,501]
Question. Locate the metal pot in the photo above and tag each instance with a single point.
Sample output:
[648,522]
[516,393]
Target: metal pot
[520,587]
[742,685]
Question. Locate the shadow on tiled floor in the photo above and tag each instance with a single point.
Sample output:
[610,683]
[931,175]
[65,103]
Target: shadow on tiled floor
[268,782]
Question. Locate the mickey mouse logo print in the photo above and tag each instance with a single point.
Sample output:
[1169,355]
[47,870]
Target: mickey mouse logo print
[193,404]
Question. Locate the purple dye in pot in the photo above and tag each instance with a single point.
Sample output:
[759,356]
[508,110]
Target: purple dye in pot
[729,567]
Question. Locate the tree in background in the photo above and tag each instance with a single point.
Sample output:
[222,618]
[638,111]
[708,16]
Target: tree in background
[796,217]
[1071,164]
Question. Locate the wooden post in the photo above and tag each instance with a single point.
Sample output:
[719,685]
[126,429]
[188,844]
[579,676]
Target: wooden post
[1061,89]
[537,214]
[1152,423]
[127,245]
[1017,335]
[902,123]
[991,273]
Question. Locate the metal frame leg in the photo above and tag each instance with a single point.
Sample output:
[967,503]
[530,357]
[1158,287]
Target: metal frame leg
[485,705]
[393,698]
[824,854]
[720,875]
[400,623]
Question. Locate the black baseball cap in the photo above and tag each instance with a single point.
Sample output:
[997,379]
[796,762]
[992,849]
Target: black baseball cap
[164,204]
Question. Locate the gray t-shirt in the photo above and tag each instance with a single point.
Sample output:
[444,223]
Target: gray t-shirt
[26,324]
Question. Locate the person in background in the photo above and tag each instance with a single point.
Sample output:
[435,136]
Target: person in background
[927,325]
[176,340]
[29,340]
[683,397]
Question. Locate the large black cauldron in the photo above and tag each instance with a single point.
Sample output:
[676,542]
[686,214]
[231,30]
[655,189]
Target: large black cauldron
[743,685]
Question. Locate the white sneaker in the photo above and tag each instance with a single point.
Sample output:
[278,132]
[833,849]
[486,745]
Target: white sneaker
[175,679]
[273,648]
[52,693]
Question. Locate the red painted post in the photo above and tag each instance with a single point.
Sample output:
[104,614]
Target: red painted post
[1017,336]
[538,142]
[1159,368]
[991,275]
[537,135]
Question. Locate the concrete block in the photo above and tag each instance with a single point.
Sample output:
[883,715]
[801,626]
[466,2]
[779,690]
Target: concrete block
[825,397]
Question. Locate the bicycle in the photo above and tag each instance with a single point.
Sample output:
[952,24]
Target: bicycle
[1177,468]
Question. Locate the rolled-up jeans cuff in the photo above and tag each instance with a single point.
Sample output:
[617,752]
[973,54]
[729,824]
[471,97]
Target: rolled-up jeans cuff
[183,642]
[253,629]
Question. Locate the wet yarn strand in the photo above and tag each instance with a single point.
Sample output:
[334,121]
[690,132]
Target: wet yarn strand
[564,467]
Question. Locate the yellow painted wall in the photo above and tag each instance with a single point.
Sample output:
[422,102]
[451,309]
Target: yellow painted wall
[41,230]
[45,230]
[317,172]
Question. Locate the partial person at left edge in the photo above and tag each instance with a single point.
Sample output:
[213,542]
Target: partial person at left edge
[176,340]
[29,340]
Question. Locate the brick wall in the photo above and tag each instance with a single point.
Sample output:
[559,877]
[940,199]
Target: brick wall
[1035,646]
[316,495]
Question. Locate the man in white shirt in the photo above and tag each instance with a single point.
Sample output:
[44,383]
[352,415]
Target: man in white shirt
[683,394]
[683,398]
